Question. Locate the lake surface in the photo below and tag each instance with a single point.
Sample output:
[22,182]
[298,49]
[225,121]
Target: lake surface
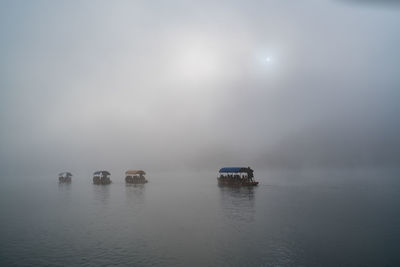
[293,218]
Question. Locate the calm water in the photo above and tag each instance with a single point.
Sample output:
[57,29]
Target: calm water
[314,218]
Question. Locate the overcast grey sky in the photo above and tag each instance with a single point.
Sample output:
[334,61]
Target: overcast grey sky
[88,85]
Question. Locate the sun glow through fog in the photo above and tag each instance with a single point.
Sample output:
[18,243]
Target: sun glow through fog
[197,63]
[196,60]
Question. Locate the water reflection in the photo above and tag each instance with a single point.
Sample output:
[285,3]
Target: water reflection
[64,186]
[135,192]
[101,193]
[64,190]
[238,203]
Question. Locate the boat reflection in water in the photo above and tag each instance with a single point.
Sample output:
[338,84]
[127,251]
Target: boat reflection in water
[101,195]
[238,203]
[135,193]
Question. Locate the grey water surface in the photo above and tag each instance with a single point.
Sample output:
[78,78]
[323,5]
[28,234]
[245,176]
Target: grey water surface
[293,218]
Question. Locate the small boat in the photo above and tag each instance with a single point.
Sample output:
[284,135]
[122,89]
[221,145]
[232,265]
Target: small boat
[236,176]
[101,177]
[65,177]
[135,177]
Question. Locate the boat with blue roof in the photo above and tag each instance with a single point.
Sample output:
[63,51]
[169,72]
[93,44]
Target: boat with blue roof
[236,176]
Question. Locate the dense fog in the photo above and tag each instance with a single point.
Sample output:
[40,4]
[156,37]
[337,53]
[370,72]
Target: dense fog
[163,85]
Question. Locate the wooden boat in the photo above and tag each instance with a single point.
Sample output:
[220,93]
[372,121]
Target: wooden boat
[236,176]
[101,177]
[65,177]
[135,177]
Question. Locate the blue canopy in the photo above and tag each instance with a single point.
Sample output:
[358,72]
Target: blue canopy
[232,169]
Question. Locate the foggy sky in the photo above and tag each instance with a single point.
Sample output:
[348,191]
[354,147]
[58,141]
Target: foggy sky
[164,85]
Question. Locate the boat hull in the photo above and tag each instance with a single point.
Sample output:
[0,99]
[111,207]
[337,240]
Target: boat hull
[225,182]
[130,180]
[64,179]
[97,180]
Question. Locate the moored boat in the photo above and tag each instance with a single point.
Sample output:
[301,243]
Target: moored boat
[135,177]
[236,176]
[101,177]
[65,177]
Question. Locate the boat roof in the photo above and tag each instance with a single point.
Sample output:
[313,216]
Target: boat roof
[65,173]
[102,172]
[135,172]
[235,169]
